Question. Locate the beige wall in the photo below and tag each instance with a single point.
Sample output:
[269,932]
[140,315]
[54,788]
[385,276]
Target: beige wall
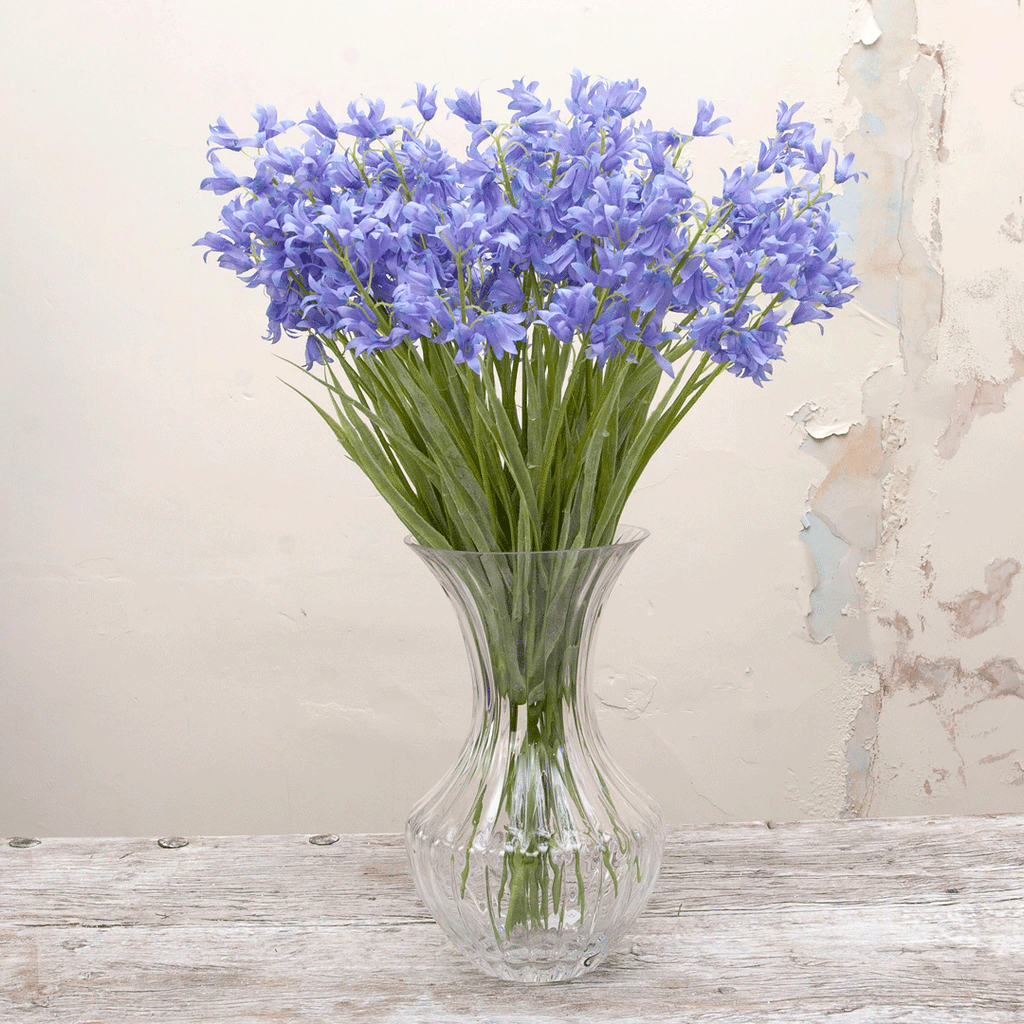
[208,620]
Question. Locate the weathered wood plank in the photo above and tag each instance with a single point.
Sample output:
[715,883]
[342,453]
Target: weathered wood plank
[364,879]
[913,920]
[797,967]
[251,879]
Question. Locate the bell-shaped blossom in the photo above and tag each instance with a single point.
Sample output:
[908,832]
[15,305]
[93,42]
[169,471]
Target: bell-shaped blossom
[368,124]
[316,352]
[604,100]
[815,159]
[524,100]
[707,124]
[843,172]
[267,127]
[322,122]
[503,331]
[571,310]
[426,101]
[466,105]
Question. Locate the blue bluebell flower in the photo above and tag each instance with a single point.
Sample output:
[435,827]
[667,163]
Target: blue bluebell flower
[843,172]
[466,105]
[503,331]
[807,311]
[232,256]
[322,122]
[267,123]
[707,124]
[794,133]
[267,127]
[523,99]
[604,100]
[426,102]
[316,352]
[223,180]
[371,124]
[815,159]
[224,137]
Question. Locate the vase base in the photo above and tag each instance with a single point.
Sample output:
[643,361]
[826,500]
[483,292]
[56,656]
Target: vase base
[537,969]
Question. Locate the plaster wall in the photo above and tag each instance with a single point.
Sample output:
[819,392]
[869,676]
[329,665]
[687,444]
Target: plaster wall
[208,620]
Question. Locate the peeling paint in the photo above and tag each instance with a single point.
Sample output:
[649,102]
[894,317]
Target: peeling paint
[863,25]
[630,691]
[937,732]
[975,398]
[904,91]
[849,498]
[861,753]
[807,415]
[927,575]
[977,610]
[842,528]
[835,588]
[955,696]
[937,55]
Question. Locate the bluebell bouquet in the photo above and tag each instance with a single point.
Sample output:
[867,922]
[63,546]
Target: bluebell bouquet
[491,331]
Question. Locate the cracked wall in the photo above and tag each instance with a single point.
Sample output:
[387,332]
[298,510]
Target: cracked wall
[933,465]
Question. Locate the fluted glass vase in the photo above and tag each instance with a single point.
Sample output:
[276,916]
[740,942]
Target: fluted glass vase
[534,853]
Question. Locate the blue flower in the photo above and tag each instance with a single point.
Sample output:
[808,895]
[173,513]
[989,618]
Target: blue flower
[224,180]
[704,125]
[604,101]
[609,330]
[808,311]
[322,122]
[224,137]
[369,125]
[426,102]
[790,133]
[466,106]
[232,256]
[523,99]
[571,310]
[695,290]
[267,126]
[815,160]
[843,172]
[503,331]
[316,352]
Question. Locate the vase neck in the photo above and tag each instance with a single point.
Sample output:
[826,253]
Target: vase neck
[529,618]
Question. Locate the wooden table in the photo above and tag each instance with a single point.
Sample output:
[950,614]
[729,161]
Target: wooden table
[916,920]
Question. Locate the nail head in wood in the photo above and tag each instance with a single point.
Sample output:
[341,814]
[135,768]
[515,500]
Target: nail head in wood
[172,842]
[325,840]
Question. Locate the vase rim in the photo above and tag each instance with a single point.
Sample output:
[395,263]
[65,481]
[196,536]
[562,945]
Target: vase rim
[624,536]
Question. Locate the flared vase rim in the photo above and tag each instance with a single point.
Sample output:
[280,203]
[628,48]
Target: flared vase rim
[625,536]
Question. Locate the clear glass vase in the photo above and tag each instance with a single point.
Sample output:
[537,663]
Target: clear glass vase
[534,853]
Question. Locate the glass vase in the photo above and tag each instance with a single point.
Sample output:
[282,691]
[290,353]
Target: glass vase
[534,853]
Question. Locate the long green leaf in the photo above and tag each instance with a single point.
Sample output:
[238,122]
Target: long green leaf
[404,508]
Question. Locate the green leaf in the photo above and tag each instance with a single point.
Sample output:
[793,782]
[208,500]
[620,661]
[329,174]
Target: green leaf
[377,472]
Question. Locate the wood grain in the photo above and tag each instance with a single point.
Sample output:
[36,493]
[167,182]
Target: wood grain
[917,920]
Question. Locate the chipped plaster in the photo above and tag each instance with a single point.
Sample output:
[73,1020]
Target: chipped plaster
[941,731]
[977,610]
